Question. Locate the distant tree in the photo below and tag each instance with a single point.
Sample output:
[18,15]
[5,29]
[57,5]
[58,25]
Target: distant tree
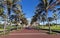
[34,18]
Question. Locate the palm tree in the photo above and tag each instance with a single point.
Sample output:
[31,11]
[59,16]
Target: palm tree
[55,17]
[10,5]
[34,18]
[23,19]
[46,6]
[50,19]
[43,16]
[2,13]
[14,19]
[4,17]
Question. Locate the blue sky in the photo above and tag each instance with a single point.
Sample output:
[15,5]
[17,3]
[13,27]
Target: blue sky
[28,7]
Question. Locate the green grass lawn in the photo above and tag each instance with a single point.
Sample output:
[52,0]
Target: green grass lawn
[1,29]
[52,27]
[7,29]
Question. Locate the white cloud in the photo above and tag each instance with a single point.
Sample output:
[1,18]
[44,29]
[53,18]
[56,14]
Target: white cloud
[29,19]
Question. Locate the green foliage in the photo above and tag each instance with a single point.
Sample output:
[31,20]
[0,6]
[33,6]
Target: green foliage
[36,27]
[1,26]
[53,27]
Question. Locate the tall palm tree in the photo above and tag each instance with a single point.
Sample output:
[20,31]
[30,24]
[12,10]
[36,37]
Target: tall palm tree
[10,5]
[47,5]
[2,13]
[14,6]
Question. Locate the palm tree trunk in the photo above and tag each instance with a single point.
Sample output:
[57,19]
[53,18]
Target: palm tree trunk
[4,28]
[56,22]
[5,25]
[43,25]
[17,27]
[43,22]
[49,28]
[48,22]
[6,21]
[10,25]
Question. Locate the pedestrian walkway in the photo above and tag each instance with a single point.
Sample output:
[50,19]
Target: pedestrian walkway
[25,33]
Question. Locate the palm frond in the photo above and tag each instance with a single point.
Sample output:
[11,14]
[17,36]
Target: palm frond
[46,3]
[15,1]
[54,11]
[58,9]
[9,11]
[51,1]
[58,4]
[41,1]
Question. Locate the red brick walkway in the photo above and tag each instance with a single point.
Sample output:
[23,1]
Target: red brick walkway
[30,34]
